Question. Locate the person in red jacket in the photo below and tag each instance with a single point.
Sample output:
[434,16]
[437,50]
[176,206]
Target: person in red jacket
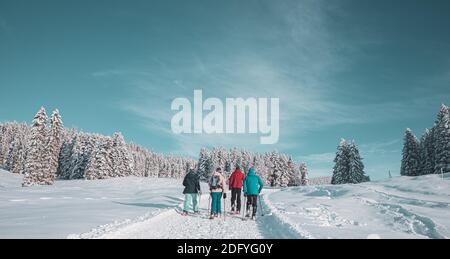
[235,184]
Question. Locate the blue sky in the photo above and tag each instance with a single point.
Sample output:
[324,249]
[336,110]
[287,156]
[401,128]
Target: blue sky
[354,69]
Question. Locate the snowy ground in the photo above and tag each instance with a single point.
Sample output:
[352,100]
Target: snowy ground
[78,206]
[149,208]
[416,207]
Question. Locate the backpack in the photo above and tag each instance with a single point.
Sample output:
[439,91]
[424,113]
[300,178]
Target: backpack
[215,182]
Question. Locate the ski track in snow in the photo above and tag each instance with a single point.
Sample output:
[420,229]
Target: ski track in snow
[171,224]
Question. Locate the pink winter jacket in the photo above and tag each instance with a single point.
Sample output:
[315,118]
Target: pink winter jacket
[222,183]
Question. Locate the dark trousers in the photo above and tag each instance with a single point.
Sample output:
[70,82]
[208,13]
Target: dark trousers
[235,199]
[252,200]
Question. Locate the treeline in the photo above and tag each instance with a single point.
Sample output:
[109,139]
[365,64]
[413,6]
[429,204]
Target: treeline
[430,154]
[275,169]
[46,151]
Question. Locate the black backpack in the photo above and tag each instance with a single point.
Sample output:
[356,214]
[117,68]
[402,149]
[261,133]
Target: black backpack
[215,182]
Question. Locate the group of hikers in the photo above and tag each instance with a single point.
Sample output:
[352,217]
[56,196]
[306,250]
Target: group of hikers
[251,185]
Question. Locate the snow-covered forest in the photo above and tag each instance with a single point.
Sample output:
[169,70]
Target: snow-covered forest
[430,154]
[46,151]
[275,169]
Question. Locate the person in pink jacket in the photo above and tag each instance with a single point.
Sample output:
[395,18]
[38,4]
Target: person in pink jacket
[218,188]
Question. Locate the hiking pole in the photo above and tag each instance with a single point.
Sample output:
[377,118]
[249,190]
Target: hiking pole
[199,200]
[224,208]
[209,204]
[260,205]
[244,205]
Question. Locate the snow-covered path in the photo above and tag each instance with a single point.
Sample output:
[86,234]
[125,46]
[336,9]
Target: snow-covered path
[171,224]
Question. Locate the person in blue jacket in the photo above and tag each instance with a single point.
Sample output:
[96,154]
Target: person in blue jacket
[253,186]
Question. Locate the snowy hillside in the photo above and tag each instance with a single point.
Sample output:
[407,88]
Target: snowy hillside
[403,207]
[78,206]
[415,207]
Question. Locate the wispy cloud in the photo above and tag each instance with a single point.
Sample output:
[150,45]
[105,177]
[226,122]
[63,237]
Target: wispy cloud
[385,147]
[318,158]
[297,70]
[120,73]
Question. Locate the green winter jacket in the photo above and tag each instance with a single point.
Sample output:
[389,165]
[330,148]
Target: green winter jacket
[252,183]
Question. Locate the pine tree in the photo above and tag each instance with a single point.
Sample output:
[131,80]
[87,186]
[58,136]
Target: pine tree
[292,173]
[260,168]
[356,166]
[428,152]
[17,152]
[411,161]
[2,134]
[55,140]
[100,164]
[285,170]
[276,169]
[8,135]
[81,153]
[442,141]
[35,173]
[341,167]
[120,157]
[4,144]
[245,160]
[65,158]
[304,174]
[205,165]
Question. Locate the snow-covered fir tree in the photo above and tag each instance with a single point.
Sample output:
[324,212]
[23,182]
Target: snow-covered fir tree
[55,140]
[234,159]
[356,166]
[442,141]
[304,174]
[8,134]
[65,158]
[341,166]
[286,171]
[205,164]
[80,157]
[348,167]
[120,157]
[259,167]
[100,165]
[245,160]
[277,168]
[35,171]
[15,162]
[428,152]
[411,161]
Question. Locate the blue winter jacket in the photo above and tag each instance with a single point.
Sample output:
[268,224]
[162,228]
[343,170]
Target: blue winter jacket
[253,184]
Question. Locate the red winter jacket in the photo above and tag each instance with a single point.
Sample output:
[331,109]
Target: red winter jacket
[236,179]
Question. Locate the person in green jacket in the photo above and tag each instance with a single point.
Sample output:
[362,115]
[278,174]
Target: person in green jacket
[253,186]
